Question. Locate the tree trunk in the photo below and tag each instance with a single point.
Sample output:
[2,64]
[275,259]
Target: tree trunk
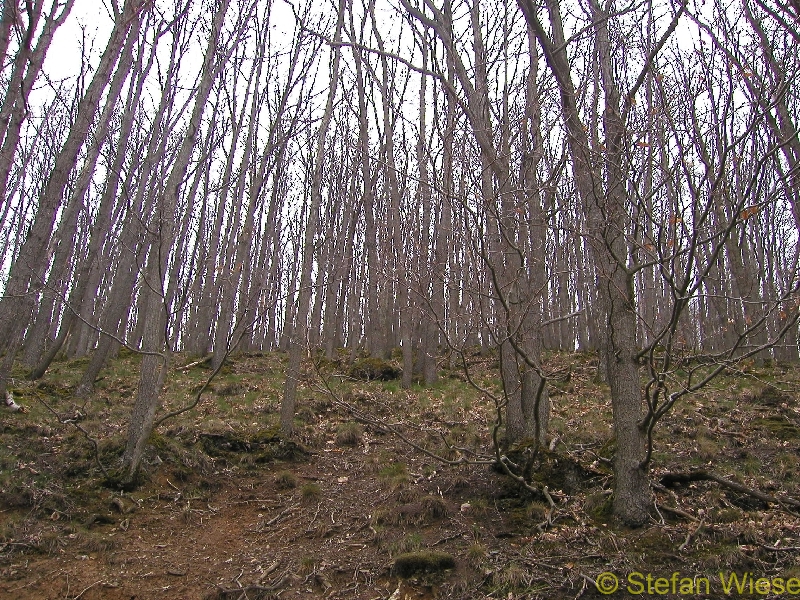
[131,239]
[26,274]
[605,218]
[66,249]
[27,65]
[289,401]
[155,362]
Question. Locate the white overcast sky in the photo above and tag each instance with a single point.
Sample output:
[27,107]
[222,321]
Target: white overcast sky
[64,56]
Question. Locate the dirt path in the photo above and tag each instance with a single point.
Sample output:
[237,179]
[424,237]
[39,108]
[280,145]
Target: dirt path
[316,538]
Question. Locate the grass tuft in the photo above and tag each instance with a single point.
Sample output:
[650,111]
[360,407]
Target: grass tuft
[310,492]
[349,434]
[285,480]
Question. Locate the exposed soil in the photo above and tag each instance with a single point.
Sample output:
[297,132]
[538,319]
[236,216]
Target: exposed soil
[229,510]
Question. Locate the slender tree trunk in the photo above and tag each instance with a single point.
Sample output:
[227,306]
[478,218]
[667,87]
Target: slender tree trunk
[155,363]
[289,401]
[426,353]
[605,214]
[132,243]
[67,230]
[374,333]
[26,274]
[27,65]
[237,248]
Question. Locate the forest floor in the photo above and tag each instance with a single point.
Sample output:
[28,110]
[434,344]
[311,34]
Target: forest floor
[229,510]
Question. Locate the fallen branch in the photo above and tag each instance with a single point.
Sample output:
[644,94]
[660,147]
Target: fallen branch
[87,589]
[671,479]
[677,511]
[276,518]
[690,536]
[781,548]
[738,435]
[194,364]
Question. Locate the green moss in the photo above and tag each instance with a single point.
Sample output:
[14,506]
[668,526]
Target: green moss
[598,506]
[393,470]
[779,426]
[391,386]
[726,515]
[396,475]
[410,543]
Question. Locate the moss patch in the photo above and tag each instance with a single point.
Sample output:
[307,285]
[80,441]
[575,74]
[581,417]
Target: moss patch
[778,426]
[372,369]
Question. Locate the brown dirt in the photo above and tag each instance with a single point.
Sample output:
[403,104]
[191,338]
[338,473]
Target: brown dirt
[249,532]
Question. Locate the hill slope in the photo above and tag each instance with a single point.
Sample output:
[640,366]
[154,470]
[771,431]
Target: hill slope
[228,509]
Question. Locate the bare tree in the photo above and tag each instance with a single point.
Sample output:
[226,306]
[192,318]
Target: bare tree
[26,275]
[67,228]
[26,67]
[300,329]
[139,190]
[501,250]
[156,344]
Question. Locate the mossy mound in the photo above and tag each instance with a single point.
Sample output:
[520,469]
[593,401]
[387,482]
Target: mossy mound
[555,470]
[770,396]
[374,369]
[426,510]
[778,426]
[262,447]
[418,563]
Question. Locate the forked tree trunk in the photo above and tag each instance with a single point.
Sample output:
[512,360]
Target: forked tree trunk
[604,211]
[155,363]
[498,197]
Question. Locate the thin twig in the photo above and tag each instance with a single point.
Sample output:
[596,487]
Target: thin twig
[80,428]
[690,536]
[87,589]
